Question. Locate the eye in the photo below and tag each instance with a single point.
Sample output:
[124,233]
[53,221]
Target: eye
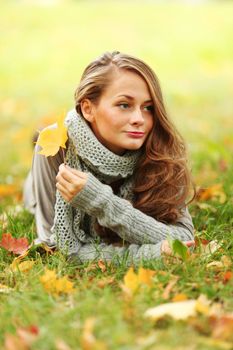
[149,108]
[123,105]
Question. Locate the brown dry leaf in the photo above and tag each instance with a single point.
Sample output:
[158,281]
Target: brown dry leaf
[13,342]
[51,139]
[61,345]
[169,287]
[105,282]
[211,247]
[216,265]
[88,340]
[222,327]
[23,339]
[226,260]
[102,265]
[54,285]
[213,192]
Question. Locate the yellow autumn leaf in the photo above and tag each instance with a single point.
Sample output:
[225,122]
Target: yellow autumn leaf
[51,139]
[131,280]
[179,310]
[24,266]
[54,285]
[145,276]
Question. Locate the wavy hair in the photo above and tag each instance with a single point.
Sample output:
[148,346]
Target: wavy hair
[161,177]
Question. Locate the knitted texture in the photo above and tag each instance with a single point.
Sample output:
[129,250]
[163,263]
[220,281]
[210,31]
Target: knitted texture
[71,225]
[74,222]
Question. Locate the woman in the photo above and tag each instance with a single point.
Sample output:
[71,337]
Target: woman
[122,190]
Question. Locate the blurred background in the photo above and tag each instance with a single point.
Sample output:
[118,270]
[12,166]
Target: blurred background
[45,45]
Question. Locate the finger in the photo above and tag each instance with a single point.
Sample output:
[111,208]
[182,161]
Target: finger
[63,192]
[67,174]
[79,173]
[189,243]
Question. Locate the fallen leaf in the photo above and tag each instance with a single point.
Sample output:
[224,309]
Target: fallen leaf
[54,285]
[61,345]
[131,280]
[88,339]
[5,289]
[222,327]
[51,139]
[102,265]
[179,297]
[145,276]
[22,340]
[217,265]
[213,192]
[169,287]
[105,282]
[226,260]
[13,342]
[180,310]
[210,248]
[24,266]
[8,190]
[227,276]
[14,245]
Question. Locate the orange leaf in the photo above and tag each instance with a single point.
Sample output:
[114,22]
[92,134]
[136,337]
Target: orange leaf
[14,245]
[51,139]
[228,275]
[102,265]
[7,190]
[213,192]
[179,297]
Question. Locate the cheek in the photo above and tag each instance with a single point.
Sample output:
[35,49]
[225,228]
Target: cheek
[150,123]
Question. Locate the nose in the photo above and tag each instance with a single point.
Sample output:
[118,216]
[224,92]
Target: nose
[137,117]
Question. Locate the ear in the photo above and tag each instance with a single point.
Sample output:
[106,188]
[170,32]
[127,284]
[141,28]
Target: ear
[87,108]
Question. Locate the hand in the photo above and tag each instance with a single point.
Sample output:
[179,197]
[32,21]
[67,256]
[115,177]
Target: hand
[166,249]
[70,181]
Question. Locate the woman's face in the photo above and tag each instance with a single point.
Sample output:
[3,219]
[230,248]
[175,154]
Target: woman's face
[123,117]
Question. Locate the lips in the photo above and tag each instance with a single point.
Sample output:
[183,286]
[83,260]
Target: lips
[135,133]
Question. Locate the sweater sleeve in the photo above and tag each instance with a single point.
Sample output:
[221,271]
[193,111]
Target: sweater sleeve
[131,255]
[118,214]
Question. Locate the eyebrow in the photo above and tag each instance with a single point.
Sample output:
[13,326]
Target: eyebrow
[132,98]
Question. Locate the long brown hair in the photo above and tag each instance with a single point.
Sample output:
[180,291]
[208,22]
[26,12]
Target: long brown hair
[161,177]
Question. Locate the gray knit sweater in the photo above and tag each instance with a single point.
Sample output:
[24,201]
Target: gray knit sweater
[73,227]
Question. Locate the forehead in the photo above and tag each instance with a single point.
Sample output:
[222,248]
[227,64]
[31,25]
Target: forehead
[126,82]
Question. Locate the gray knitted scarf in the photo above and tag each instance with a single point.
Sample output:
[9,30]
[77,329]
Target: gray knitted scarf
[72,227]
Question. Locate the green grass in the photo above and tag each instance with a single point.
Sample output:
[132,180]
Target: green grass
[44,49]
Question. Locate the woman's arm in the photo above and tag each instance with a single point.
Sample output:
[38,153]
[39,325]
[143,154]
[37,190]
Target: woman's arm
[97,199]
